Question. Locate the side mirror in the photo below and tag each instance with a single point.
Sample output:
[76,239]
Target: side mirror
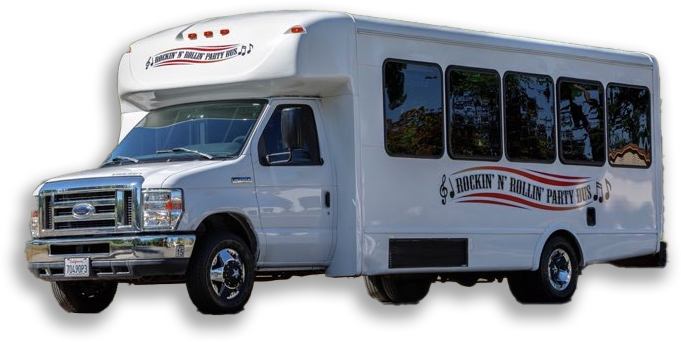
[291,124]
[291,136]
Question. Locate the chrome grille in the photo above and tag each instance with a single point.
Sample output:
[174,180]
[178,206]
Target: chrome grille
[62,210]
[112,207]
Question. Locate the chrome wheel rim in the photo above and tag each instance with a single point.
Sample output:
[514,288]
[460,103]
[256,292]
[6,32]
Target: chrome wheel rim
[560,269]
[227,273]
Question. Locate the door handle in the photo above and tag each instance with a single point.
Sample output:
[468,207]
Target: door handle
[327,199]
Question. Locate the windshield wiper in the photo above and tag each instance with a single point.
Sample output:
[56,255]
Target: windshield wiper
[184,149]
[117,159]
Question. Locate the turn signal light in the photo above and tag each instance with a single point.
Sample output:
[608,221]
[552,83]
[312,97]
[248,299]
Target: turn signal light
[34,223]
[296,29]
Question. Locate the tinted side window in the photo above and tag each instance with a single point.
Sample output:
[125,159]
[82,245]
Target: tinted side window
[629,136]
[582,122]
[271,144]
[474,114]
[529,117]
[412,102]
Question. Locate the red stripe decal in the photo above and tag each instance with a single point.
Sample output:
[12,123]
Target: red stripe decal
[201,48]
[492,202]
[523,201]
[524,174]
[188,61]
[558,176]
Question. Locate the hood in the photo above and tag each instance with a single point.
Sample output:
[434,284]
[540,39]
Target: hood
[154,174]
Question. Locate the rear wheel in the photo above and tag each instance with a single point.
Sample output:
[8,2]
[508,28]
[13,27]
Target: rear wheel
[220,274]
[556,279]
[405,289]
[375,288]
[84,296]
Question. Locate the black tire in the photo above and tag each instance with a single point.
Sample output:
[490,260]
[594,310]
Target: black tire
[556,279]
[229,294]
[375,288]
[84,296]
[405,289]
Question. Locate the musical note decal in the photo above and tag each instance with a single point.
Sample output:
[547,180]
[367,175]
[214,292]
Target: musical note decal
[451,188]
[599,190]
[443,190]
[600,195]
[245,50]
[608,187]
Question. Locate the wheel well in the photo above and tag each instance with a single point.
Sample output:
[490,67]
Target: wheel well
[573,240]
[228,222]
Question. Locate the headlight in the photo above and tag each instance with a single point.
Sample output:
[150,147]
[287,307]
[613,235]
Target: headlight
[162,208]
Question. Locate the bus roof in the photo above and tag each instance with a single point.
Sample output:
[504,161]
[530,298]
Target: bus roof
[455,36]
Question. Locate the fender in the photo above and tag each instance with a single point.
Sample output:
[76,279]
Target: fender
[548,232]
[253,231]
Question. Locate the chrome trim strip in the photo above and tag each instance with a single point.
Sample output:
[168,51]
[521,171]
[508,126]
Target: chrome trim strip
[95,202]
[141,247]
[92,217]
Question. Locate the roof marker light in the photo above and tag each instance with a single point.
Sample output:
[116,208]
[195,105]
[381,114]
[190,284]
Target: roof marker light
[208,34]
[296,29]
[224,32]
[191,36]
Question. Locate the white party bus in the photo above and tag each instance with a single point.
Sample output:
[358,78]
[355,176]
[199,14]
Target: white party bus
[270,145]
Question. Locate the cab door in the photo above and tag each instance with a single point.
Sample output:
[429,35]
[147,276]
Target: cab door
[294,188]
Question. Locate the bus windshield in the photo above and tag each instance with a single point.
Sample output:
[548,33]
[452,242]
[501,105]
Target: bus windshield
[204,130]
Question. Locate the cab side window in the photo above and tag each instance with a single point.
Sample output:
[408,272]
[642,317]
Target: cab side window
[271,148]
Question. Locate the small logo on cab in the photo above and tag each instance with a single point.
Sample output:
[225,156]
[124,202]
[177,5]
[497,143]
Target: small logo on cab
[82,210]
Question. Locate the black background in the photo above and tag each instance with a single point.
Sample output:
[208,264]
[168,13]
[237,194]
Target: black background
[71,109]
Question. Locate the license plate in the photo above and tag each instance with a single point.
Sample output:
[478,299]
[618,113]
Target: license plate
[76,267]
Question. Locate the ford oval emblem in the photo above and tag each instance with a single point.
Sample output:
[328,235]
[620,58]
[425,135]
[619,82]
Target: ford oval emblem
[82,210]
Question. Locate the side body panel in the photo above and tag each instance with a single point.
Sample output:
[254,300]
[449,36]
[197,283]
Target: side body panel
[403,197]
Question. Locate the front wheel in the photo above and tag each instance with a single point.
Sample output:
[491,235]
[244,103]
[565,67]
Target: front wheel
[84,296]
[220,275]
[556,279]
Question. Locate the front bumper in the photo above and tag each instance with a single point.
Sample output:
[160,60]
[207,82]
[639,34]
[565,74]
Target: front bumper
[112,258]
